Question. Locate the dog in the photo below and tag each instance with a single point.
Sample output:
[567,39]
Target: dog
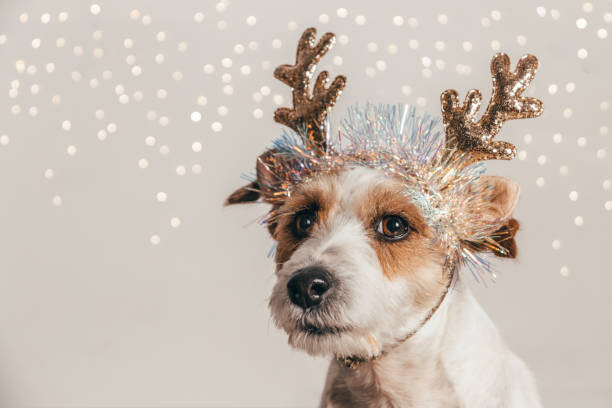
[367,260]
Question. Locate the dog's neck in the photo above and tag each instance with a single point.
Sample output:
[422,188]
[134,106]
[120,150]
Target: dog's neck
[450,270]
[435,358]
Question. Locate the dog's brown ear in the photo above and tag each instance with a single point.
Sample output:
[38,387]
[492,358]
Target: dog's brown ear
[502,199]
[504,238]
[245,194]
[249,194]
[265,186]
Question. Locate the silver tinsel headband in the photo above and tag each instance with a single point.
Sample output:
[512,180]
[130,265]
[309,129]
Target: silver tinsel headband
[441,166]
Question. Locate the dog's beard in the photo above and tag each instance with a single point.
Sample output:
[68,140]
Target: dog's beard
[334,343]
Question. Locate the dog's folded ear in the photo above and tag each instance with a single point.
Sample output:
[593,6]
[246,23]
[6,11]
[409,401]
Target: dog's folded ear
[248,194]
[265,186]
[245,194]
[504,238]
[502,200]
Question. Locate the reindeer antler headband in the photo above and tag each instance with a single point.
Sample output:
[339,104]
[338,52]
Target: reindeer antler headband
[442,168]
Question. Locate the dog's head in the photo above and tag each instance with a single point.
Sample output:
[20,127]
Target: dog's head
[357,265]
[365,233]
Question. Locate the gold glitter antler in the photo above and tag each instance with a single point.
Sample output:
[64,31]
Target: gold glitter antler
[465,134]
[309,112]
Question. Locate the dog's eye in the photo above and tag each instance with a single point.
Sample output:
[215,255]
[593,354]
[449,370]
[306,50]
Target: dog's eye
[393,227]
[304,222]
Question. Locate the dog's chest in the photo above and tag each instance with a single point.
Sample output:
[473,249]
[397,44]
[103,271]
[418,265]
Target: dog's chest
[390,384]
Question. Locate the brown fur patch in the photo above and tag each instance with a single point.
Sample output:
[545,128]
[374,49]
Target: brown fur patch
[407,258]
[317,195]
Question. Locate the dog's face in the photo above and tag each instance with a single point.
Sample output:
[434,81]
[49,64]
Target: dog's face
[357,266]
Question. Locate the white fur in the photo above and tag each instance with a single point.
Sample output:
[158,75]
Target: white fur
[457,359]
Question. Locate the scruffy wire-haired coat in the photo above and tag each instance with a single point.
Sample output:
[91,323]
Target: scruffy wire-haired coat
[372,228]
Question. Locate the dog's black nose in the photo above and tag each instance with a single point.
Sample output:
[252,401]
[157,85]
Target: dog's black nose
[308,286]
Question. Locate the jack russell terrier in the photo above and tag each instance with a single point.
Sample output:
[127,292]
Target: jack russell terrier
[372,229]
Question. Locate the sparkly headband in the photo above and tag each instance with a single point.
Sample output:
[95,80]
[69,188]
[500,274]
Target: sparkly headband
[441,165]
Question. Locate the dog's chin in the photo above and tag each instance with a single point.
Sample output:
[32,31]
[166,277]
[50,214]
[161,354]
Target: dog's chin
[321,332]
[332,341]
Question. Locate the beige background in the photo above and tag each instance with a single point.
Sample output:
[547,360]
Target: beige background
[93,314]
